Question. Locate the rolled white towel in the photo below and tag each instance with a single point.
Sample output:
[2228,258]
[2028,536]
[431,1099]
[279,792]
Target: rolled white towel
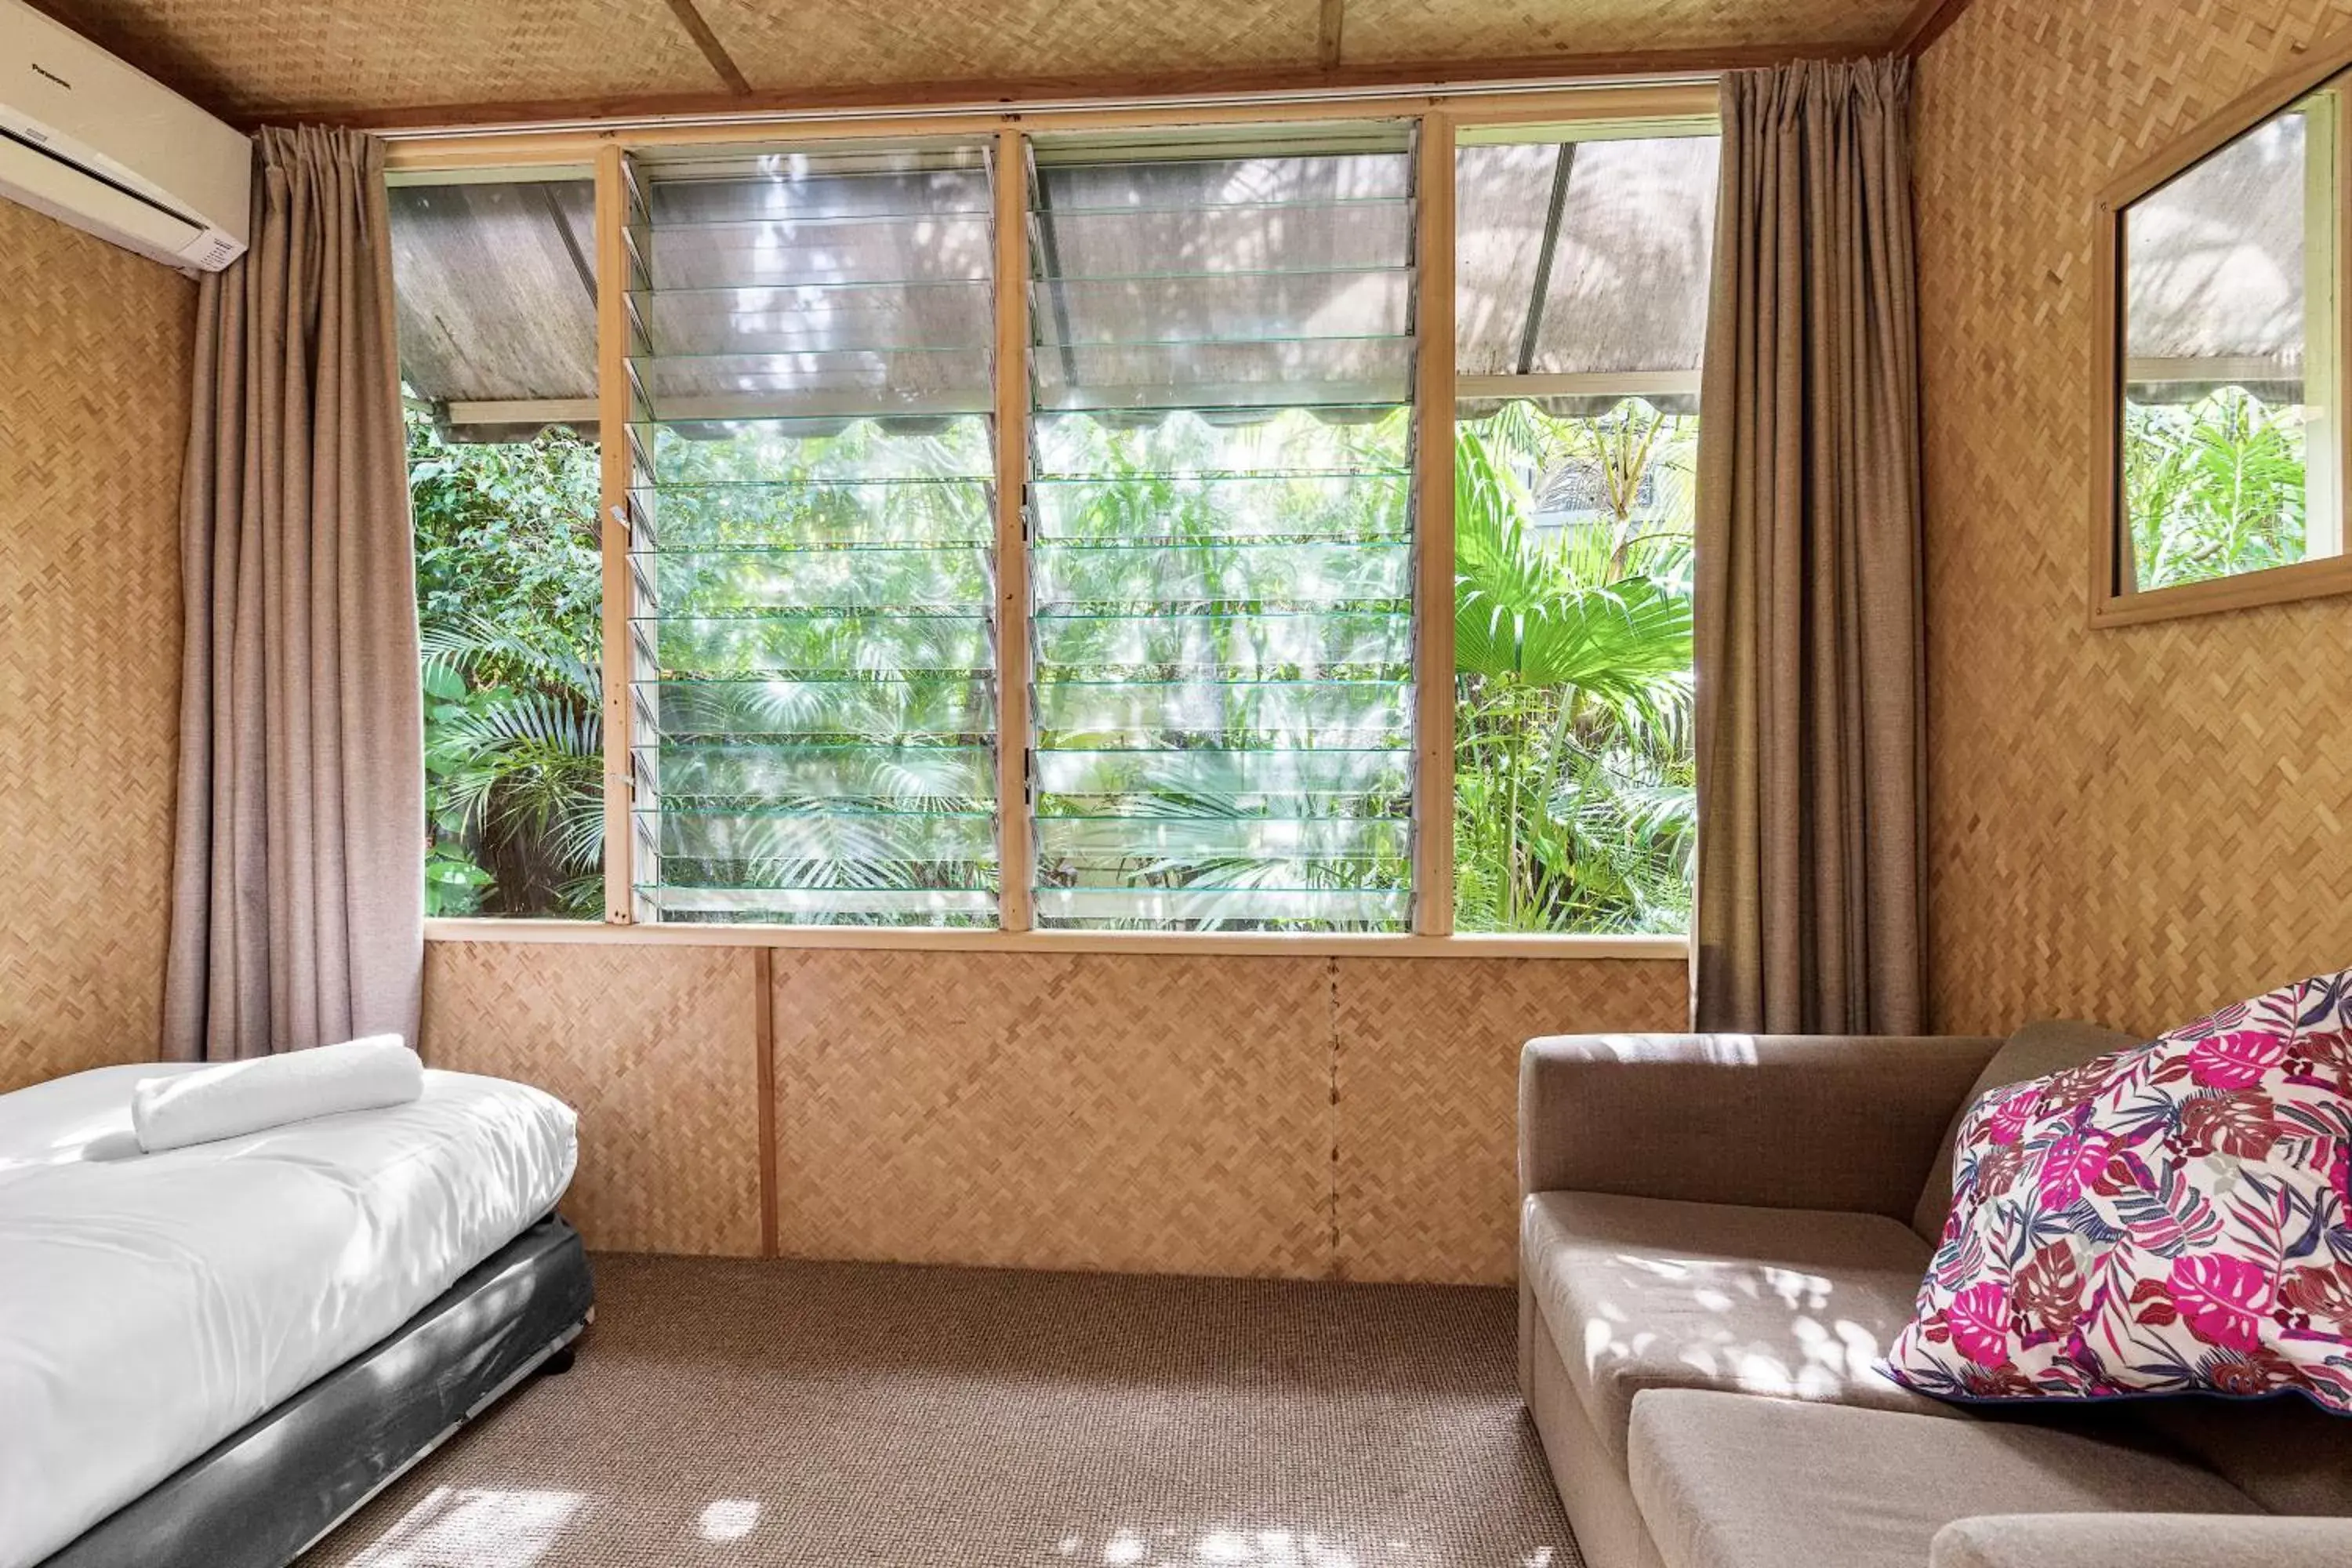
[238,1098]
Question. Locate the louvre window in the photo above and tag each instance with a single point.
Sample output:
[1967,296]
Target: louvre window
[812,537]
[1220,547]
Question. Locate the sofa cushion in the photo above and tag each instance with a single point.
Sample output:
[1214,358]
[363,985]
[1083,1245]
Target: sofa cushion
[1730,1481]
[2288,1455]
[2159,1220]
[1653,1293]
[2036,1050]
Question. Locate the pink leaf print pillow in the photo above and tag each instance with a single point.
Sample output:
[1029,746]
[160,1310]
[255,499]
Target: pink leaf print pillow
[2172,1218]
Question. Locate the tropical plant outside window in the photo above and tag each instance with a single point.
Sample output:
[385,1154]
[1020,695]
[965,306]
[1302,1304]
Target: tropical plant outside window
[508,603]
[1574,772]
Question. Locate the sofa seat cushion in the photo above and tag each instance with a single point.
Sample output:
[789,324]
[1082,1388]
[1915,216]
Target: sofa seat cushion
[1643,1293]
[1730,1481]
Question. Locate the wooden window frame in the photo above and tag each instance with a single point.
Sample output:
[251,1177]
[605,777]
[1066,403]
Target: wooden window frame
[2115,600]
[1439,121]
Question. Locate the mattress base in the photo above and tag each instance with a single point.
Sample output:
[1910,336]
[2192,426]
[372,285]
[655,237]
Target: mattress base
[268,1491]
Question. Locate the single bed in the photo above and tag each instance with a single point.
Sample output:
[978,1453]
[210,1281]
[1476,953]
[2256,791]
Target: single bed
[248,1338]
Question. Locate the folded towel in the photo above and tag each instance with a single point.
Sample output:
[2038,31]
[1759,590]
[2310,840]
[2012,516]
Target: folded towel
[238,1098]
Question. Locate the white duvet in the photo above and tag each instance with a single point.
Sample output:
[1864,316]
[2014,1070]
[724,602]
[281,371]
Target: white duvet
[152,1304]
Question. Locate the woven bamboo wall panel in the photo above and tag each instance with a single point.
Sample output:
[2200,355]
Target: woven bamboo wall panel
[858,43]
[1157,1114]
[1378,30]
[2130,825]
[1428,1075]
[283,58]
[94,365]
[656,1050]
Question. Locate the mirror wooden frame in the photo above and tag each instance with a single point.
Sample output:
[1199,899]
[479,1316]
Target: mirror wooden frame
[2114,599]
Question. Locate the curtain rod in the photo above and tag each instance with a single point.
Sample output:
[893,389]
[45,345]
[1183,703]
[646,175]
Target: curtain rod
[1259,98]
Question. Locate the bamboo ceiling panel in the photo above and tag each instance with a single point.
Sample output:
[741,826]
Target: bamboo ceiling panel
[93,417]
[1428,1073]
[1410,30]
[2128,825]
[1148,1113]
[861,43]
[658,1049]
[287,59]
[280,59]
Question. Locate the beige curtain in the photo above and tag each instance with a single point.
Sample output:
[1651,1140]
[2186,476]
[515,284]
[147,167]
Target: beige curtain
[1809,653]
[297,894]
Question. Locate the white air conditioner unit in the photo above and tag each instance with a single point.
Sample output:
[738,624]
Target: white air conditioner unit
[91,141]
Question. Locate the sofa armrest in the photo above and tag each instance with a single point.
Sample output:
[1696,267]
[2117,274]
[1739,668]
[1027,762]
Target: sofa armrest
[2138,1539]
[1823,1121]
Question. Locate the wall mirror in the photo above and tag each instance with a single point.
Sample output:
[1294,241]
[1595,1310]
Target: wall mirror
[2220,354]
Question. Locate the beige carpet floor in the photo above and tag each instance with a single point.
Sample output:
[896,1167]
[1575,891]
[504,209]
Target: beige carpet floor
[740,1413]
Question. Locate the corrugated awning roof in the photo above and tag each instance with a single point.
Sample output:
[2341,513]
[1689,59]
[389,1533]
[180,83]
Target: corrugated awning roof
[1582,276]
[498,292]
[2214,273]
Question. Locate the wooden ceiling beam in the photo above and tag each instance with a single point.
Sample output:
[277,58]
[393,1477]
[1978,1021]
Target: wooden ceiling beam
[1330,34]
[699,29]
[1926,23]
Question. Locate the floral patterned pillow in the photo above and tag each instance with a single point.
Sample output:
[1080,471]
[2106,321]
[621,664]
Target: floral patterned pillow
[2175,1217]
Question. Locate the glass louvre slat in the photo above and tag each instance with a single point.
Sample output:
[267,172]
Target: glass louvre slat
[846,839]
[877,511]
[744,774]
[1270,575]
[815,451]
[1235,375]
[813,539]
[821,251]
[1251,781]
[751,643]
[1111,838]
[1221,564]
[784,384]
[1297,506]
[697,583]
[1231,308]
[1258,237]
[1209,908]
[843,707]
[749,319]
[1263,715]
[1210,442]
[679,905]
[704,196]
[1255,646]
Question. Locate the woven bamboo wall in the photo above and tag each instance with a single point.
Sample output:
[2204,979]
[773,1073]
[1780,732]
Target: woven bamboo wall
[656,1049]
[2132,824]
[1297,1117]
[94,365]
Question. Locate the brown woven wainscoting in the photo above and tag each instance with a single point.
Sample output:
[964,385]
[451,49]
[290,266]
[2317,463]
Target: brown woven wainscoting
[1304,1117]
[93,417]
[2130,826]
[656,1048]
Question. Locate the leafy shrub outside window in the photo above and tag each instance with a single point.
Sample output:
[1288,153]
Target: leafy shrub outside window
[508,589]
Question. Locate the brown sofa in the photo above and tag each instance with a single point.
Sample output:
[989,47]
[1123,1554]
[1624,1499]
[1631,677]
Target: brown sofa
[1718,1237]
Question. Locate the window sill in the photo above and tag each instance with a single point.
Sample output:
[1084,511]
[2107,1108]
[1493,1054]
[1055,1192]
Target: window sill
[1169,944]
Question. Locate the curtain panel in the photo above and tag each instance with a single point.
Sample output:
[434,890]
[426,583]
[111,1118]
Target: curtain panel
[1810,650]
[297,895]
